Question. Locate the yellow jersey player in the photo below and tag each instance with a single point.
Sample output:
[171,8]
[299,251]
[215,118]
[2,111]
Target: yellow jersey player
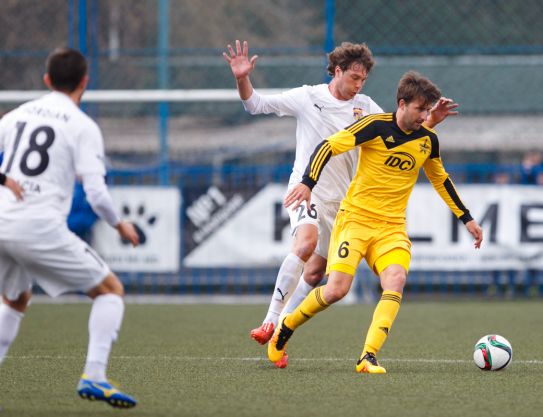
[371,221]
[320,110]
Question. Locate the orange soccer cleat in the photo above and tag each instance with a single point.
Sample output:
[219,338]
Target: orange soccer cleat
[263,333]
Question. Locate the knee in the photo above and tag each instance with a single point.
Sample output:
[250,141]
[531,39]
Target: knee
[395,281]
[305,249]
[21,303]
[111,284]
[313,277]
[333,293]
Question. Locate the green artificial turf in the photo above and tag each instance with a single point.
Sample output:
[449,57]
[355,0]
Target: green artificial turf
[199,361]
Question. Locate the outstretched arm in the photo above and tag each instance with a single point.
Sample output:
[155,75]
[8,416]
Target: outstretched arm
[444,108]
[241,67]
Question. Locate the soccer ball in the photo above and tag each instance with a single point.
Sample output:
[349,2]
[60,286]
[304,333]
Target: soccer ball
[492,353]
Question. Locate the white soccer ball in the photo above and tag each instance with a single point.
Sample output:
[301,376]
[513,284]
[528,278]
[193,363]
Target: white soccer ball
[492,353]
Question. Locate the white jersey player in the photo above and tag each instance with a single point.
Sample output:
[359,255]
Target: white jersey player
[47,143]
[318,114]
[320,110]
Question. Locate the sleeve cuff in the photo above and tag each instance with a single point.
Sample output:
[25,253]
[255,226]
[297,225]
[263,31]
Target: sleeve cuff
[251,102]
[308,181]
[466,217]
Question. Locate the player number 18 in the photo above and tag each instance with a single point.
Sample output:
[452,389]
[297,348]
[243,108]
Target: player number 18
[33,146]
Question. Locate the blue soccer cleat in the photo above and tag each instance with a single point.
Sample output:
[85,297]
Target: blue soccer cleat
[104,391]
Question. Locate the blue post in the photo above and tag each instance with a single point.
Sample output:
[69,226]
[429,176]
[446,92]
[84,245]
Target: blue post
[82,30]
[163,77]
[71,23]
[82,18]
[93,53]
[330,16]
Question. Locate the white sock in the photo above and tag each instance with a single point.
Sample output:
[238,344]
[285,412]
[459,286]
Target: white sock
[298,295]
[104,324]
[287,277]
[10,320]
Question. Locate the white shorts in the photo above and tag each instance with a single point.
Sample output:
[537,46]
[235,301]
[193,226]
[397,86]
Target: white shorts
[320,214]
[57,260]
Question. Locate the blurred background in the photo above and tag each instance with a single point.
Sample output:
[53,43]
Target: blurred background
[203,180]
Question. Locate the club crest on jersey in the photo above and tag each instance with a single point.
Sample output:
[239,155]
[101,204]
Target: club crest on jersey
[424,147]
[359,113]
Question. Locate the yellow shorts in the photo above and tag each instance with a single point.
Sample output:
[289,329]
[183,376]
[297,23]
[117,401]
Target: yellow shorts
[355,236]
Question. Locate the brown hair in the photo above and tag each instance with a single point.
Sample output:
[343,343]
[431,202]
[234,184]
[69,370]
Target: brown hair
[347,54]
[413,85]
[66,68]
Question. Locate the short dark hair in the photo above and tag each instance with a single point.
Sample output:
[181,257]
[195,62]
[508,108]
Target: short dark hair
[66,68]
[347,54]
[413,85]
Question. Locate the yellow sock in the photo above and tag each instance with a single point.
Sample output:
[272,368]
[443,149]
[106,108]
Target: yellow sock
[383,317]
[312,304]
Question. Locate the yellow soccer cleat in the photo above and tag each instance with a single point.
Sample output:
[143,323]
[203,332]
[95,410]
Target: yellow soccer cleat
[278,343]
[368,364]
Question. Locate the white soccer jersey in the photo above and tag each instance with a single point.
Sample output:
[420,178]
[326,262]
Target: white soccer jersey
[46,143]
[319,114]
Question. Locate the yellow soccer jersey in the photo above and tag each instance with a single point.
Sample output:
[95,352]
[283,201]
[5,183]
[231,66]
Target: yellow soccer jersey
[388,167]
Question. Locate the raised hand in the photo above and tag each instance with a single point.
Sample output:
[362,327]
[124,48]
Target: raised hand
[441,110]
[239,61]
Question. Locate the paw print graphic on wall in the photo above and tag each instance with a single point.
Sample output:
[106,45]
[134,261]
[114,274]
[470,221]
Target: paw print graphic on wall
[141,221]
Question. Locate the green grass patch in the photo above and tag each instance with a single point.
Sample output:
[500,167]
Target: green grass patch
[199,361]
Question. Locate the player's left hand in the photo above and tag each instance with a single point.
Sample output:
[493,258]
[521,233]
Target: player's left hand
[239,61]
[476,231]
[444,108]
[15,188]
[297,195]
[128,232]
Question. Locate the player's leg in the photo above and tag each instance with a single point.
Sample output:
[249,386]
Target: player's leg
[104,323]
[306,231]
[315,267]
[392,268]
[15,284]
[312,275]
[345,254]
[11,315]
[318,300]
[67,264]
[291,269]
[338,285]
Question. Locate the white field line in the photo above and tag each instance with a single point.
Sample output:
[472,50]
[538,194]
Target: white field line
[258,359]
